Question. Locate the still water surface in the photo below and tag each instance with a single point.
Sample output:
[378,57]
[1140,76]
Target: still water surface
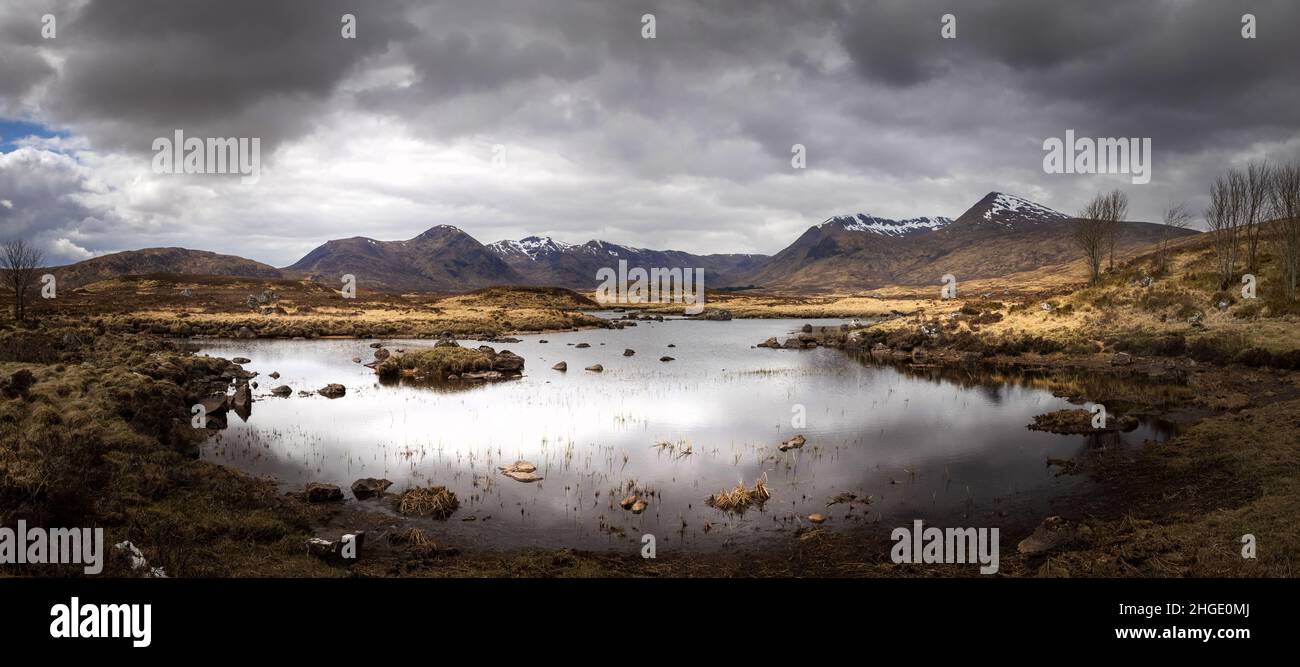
[919,447]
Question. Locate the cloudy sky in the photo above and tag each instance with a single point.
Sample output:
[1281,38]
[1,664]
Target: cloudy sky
[682,141]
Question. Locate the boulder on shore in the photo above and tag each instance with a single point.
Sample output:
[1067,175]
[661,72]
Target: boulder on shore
[316,492]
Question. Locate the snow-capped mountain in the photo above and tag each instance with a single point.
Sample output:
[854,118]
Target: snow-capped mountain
[1000,235]
[545,261]
[865,222]
[533,247]
[1009,211]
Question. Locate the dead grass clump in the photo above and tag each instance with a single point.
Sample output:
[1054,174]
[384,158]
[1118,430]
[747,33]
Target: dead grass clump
[412,536]
[436,363]
[740,499]
[434,501]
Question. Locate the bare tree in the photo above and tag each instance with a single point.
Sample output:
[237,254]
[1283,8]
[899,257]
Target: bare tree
[1284,229]
[1224,216]
[1095,227]
[1115,208]
[1255,206]
[19,262]
[1177,217]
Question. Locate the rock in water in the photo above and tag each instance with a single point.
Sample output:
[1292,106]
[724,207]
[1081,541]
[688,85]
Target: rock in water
[596,368]
[369,487]
[332,390]
[793,443]
[519,466]
[561,366]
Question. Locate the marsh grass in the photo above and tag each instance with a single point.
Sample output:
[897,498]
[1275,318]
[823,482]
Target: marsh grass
[740,499]
[435,363]
[431,501]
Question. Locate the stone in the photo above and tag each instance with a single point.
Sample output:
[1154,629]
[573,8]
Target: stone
[316,492]
[369,487]
[793,443]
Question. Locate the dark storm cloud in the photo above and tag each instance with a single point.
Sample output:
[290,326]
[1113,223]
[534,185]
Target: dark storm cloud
[1176,71]
[137,69]
[659,139]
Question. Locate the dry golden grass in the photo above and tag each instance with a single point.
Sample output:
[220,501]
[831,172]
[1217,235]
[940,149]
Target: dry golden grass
[740,498]
[434,501]
[435,363]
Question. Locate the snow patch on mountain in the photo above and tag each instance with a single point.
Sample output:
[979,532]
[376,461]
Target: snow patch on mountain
[532,247]
[1006,209]
[865,222]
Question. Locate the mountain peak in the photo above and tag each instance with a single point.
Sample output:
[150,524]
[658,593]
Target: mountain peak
[532,247]
[1009,211]
[440,231]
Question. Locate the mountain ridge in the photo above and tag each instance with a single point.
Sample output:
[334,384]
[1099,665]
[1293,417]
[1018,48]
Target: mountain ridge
[1001,234]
